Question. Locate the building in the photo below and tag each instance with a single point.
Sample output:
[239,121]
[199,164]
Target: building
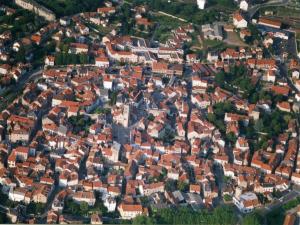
[78,48]
[49,60]
[269,23]
[239,21]
[201,4]
[38,9]
[110,203]
[212,32]
[244,5]
[130,211]
[149,189]
[246,202]
[85,196]
[102,62]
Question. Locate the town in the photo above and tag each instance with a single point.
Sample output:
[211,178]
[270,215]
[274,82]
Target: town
[150,112]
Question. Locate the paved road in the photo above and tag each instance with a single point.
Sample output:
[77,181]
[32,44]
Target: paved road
[25,78]
[278,203]
[255,8]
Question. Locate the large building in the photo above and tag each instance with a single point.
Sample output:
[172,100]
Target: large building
[36,8]
[201,4]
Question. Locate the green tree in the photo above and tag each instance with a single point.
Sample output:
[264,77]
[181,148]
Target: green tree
[182,186]
[252,219]
[84,208]
[143,220]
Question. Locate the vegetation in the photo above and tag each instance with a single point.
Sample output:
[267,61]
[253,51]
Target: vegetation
[227,198]
[276,217]
[80,123]
[273,123]
[235,80]
[21,23]
[188,11]
[4,219]
[221,215]
[164,26]
[35,208]
[70,7]
[101,110]
[113,95]
[217,118]
[5,201]
[252,219]
[74,208]
[66,59]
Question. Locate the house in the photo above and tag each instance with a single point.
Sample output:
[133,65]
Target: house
[78,48]
[148,189]
[246,202]
[212,31]
[4,69]
[158,67]
[96,219]
[121,56]
[201,4]
[36,8]
[49,60]
[108,82]
[36,38]
[102,62]
[130,211]
[295,178]
[52,217]
[22,128]
[192,58]
[284,106]
[85,196]
[143,22]
[239,21]
[212,57]
[106,10]
[195,188]
[65,21]
[291,218]
[270,23]
[110,203]
[244,5]
[17,194]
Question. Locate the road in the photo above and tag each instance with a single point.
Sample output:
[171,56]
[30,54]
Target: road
[255,8]
[25,78]
[278,203]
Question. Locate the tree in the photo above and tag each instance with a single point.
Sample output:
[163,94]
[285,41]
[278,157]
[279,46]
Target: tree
[252,219]
[182,186]
[227,197]
[35,208]
[220,78]
[231,137]
[84,208]
[3,218]
[20,55]
[151,117]
[145,220]
[170,185]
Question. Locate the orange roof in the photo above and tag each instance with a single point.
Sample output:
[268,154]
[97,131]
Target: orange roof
[282,90]
[270,22]
[131,207]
